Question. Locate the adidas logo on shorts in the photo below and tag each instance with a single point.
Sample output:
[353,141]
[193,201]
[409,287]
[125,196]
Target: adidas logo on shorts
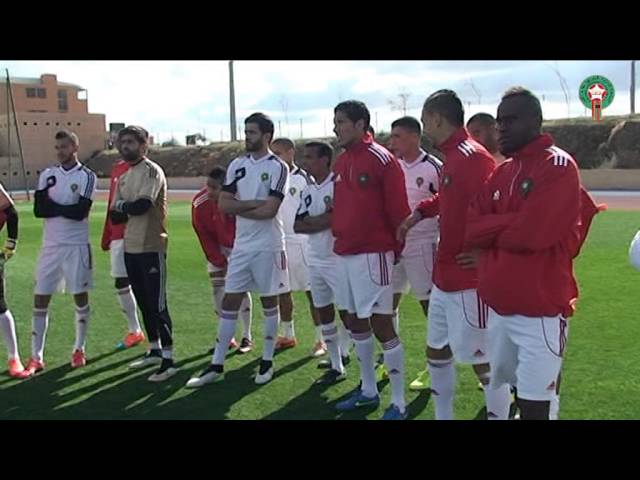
[153,270]
[552,386]
[479,353]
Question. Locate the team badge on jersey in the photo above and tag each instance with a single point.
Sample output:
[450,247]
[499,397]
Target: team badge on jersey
[526,186]
[496,195]
[363,179]
[51,181]
[419,181]
[292,191]
[74,187]
[446,181]
[328,201]
[265,177]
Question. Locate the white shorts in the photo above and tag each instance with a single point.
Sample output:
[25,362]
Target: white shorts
[64,268]
[527,352]
[634,251]
[459,319]
[364,286]
[324,284]
[118,268]
[211,268]
[297,255]
[415,271]
[262,272]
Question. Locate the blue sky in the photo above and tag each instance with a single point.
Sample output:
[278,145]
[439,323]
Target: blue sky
[181,97]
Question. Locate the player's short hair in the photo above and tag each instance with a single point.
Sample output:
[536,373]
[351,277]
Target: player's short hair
[265,124]
[285,142]
[482,118]
[355,110]
[448,104]
[408,123]
[218,173]
[323,149]
[68,134]
[139,133]
[532,101]
[371,131]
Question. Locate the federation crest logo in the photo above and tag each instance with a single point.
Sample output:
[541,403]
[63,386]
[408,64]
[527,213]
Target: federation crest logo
[327,200]
[526,186]
[496,195]
[596,92]
[446,181]
[264,177]
[292,191]
[74,187]
[419,181]
[363,179]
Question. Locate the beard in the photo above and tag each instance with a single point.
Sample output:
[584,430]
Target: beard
[130,156]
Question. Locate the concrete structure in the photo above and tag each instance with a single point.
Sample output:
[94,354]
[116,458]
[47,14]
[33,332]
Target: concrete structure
[44,106]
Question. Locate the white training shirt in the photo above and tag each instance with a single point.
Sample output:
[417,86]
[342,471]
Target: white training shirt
[422,179]
[317,199]
[67,188]
[298,181]
[257,179]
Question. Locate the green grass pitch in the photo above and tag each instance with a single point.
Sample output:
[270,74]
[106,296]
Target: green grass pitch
[600,376]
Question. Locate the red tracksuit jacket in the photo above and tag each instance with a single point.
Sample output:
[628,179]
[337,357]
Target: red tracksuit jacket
[213,228]
[370,200]
[532,218]
[113,232]
[467,166]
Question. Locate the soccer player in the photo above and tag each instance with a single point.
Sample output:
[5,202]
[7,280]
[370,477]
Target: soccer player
[370,203]
[254,188]
[314,219]
[141,202]
[482,128]
[297,248]
[530,219]
[415,268]
[9,216]
[64,197]
[113,242]
[457,314]
[216,232]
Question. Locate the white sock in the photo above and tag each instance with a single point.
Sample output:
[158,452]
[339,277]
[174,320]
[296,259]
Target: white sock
[443,386]
[226,329]
[395,318]
[217,285]
[319,333]
[167,353]
[365,346]
[271,319]
[40,322]
[245,316]
[394,361]
[8,328]
[345,339]
[498,400]
[330,336]
[129,307]
[554,407]
[82,322]
[287,329]
[155,345]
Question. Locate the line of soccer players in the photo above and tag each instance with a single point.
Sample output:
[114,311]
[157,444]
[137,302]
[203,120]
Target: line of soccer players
[484,239]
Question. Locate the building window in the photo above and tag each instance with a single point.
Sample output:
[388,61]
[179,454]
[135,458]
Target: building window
[68,124]
[63,104]
[47,124]
[35,124]
[42,92]
[25,124]
[82,94]
[57,124]
[31,93]
[78,124]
